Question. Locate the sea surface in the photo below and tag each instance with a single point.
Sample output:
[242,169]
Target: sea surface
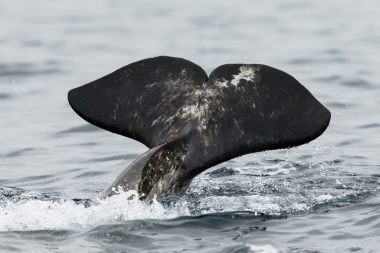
[320,197]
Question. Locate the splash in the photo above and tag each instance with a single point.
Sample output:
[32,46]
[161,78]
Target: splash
[29,212]
[267,248]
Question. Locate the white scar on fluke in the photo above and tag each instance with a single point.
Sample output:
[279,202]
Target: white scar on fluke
[246,73]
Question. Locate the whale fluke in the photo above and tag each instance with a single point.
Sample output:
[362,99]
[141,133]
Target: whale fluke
[191,121]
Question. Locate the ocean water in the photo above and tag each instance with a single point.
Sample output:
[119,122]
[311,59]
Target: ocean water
[320,197]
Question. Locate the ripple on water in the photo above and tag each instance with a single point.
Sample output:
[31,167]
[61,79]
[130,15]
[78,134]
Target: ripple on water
[20,152]
[367,126]
[80,129]
[357,83]
[338,105]
[130,156]
[315,61]
[23,69]
[5,96]
[328,79]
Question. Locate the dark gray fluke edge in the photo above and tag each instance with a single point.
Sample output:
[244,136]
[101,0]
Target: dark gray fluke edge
[191,122]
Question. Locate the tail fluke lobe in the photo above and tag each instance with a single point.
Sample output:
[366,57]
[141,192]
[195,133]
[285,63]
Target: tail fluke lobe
[140,100]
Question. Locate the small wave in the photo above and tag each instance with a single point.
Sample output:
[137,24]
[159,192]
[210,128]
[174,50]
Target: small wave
[80,129]
[357,83]
[19,152]
[4,96]
[311,61]
[366,126]
[26,69]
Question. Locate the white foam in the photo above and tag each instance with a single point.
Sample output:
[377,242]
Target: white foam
[267,248]
[38,214]
[254,203]
[324,198]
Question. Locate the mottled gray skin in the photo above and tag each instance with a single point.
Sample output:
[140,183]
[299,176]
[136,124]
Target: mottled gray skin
[160,171]
[192,122]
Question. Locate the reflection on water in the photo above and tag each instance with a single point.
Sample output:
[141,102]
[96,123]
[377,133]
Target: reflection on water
[320,197]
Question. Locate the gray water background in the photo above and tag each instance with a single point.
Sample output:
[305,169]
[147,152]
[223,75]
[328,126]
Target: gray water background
[320,197]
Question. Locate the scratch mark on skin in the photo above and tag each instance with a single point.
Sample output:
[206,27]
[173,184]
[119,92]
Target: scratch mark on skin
[115,111]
